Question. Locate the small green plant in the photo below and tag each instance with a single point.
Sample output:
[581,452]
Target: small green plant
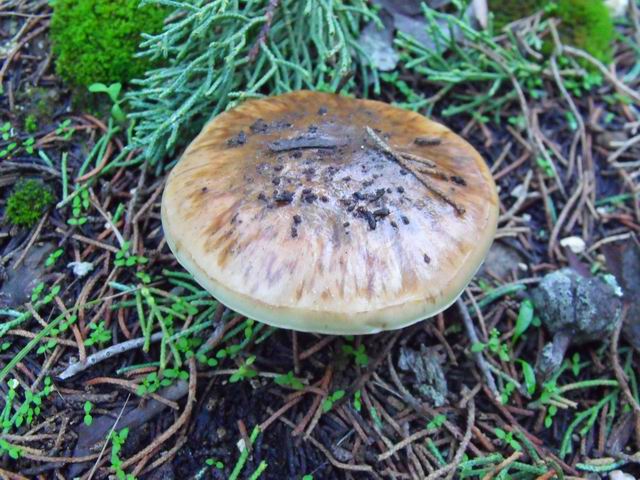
[125,259]
[494,345]
[212,462]
[153,381]
[357,400]
[28,145]
[27,203]
[576,366]
[245,371]
[12,450]
[328,402]
[13,416]
[113,91]
[7,132]
[88,419]
[38,290]
[99,334]
[290,381]
[117,441]
[506,393]
[437,421]
[53,257]
[65,129]
[95,40]
[79,206]
[507,437]
[359,354]
[31,123]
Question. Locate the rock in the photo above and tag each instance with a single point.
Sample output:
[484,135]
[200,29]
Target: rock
[586,309]
[575,309]
[552,356]
[407,17]
[623,260]
[501,261]
[377,43]
[426,367]
[18,284]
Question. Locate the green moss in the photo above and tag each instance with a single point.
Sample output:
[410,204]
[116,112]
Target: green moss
[95,40]
[585,24]
[27,203]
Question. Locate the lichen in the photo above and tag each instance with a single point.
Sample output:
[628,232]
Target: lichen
[27,203]
[95,40]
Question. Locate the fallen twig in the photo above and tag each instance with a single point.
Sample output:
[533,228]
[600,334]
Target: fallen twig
[478,357]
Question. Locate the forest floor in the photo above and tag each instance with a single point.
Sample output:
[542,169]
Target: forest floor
[94,279]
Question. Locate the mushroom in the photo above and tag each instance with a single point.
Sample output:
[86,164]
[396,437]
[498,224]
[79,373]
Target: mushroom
[323,213]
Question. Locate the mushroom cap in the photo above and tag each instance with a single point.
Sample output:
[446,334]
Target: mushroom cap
[323,213]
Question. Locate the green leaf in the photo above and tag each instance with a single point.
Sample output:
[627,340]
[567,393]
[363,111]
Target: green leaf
[478,347]
[114,91]
[525,317]
[98,88]
[118,114]
[529,376]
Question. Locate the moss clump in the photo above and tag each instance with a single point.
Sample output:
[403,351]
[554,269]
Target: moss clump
[27,203]
[95,40]
[585,24]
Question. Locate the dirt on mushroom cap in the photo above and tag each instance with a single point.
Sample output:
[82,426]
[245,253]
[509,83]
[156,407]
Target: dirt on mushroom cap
[316,212]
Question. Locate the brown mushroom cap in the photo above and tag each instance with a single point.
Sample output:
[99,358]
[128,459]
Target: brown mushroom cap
[324,213]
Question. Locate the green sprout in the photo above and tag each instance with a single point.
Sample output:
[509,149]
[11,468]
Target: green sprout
[359,354]
[79,205]
[99,334]
[507,437]
[437,422]
[53,257]
[288,380]
[245,371]
[357,400]
[113,91]
[31,123]
[125,259]
[117,441]
[65,130]
[88,419]
[328,402]
[212,462]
